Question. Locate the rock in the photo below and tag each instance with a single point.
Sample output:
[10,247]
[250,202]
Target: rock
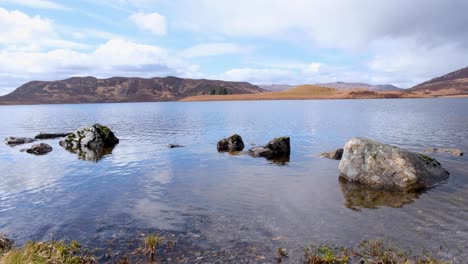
[51,135]
[275,149]
[334,154]
[232,143]
[451,151]
[386,167]
[261,152]
[13,141]
[175,146]
[358,196]
[38,149]
[92,137]
[91,143]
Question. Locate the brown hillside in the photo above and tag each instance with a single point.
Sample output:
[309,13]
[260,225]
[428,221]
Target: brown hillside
[121,89]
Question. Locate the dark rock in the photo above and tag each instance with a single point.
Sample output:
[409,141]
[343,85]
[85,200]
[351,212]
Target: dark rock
[275,149]
[39,149]
[334,154]
[382,166]
[232,143]
[91,143]
[451,151]
[13,141]
[51,135]
[175,146]
[261,152]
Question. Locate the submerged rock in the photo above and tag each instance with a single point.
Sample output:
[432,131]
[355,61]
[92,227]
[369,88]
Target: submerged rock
[451,151]
[277,148]
[358,196]
[387,167]
[39,149]
[333,154]
[13,141]
[91,143]
[51,135]
[232,143]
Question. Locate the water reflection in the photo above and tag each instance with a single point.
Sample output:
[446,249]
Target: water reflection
[358,196]
[91,154]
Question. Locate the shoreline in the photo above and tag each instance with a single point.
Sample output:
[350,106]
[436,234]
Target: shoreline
[223,98]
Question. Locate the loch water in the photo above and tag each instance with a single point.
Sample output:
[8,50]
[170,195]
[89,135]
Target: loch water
[232,203]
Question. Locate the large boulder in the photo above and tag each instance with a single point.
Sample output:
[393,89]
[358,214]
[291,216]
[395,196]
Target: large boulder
[13,141]
[39,149]
[275,149]
[92,137]
[232,143]
[382,166]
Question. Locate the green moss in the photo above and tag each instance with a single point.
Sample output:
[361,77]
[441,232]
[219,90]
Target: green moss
[426,158]
[105,130]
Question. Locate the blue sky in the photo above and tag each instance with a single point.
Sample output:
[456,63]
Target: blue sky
[260,41]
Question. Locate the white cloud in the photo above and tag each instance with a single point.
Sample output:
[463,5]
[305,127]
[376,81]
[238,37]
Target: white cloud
[215,49]
[113,58]
[20,31]
[17,27]
[39,4]
[153,22]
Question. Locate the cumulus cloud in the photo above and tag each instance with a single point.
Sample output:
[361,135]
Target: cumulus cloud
[152,22]
[113,58]
[433,29]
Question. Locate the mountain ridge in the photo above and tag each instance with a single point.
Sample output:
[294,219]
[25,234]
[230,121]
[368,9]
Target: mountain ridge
[90,89]
[452,83]
[351,86]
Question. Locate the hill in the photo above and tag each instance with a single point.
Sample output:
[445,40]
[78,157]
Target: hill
[451,84]
[351,86]
[121,89]
[277,87]
[302,92]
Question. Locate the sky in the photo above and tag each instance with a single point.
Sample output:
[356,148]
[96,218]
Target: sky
[398,42]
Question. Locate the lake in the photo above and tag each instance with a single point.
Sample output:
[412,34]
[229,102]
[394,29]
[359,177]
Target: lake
[217,203]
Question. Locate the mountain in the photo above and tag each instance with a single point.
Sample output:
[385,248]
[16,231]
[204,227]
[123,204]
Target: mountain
[277,87]
[451,84]
[351,86]
[121,89]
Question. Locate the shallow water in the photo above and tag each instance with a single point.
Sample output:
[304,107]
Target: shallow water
[231,202]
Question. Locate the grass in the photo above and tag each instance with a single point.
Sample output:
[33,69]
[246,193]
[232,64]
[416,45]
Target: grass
[53,252]
[372,251]
[152,242]
[5,244]
[59,252]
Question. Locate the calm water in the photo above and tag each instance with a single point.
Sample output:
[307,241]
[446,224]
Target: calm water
[225,202]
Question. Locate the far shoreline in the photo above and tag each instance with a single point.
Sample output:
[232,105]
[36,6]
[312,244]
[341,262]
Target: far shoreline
[225,98]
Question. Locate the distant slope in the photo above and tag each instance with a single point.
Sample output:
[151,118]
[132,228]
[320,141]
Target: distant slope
[350,86]
[451,84]
[277,87]
[121,89]
[302,92]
